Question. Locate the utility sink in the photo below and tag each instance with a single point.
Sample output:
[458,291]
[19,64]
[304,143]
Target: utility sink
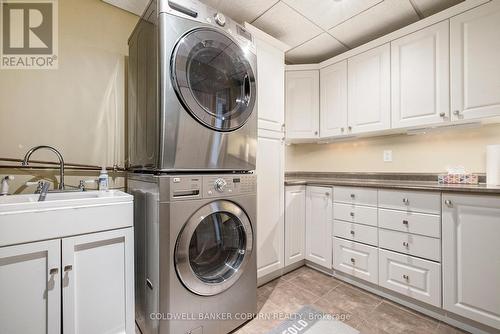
[24,219]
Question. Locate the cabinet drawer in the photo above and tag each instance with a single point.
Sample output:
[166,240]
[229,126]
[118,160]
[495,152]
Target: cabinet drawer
[354,213]
[416,201]
[418,245]
[356,259]
[405,221]
[353,195]
[415,278]
[355,232]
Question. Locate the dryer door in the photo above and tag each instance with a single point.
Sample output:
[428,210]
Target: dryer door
[213,248]
[213,78]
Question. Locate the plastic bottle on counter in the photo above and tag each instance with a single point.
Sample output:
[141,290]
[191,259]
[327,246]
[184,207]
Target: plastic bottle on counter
[103,179]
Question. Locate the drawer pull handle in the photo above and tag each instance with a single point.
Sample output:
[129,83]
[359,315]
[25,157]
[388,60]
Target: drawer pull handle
[353,260]
[353,196]
[406,244]
[405,222]
[352,232]
[406,201]
[406,277]
[352,214]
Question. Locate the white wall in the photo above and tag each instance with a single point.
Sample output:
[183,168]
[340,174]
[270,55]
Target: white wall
[79,108]
[429,153]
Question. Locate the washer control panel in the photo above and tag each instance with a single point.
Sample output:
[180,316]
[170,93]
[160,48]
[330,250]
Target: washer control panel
[227,185]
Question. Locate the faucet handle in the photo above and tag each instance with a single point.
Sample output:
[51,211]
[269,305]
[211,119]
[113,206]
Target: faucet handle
[40,185]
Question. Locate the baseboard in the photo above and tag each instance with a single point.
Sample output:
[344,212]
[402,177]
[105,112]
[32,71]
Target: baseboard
[278,273]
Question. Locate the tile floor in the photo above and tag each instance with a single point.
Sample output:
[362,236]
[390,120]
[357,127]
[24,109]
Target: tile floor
[368,313]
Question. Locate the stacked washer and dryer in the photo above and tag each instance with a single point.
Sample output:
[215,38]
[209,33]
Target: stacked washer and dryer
[192,138]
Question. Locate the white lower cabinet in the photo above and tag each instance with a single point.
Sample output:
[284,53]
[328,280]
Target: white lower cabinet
[319,226]
[92,275]
[97,283]
[471,257]
[410,276]
[356,259]
[30,290]
[295,224]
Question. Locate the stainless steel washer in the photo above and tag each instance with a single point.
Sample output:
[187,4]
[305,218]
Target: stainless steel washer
[192,90]
[195,257]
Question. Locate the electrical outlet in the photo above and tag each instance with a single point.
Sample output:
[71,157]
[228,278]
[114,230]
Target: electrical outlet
[388,156]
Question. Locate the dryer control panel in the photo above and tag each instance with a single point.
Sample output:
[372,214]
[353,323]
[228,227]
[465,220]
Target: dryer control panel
[211,186]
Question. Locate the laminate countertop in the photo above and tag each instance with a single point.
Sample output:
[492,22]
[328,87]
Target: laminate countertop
[398,182]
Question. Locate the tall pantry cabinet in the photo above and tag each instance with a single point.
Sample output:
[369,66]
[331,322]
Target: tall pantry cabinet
[270,170]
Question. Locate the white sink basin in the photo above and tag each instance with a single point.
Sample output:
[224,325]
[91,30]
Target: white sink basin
[24,219]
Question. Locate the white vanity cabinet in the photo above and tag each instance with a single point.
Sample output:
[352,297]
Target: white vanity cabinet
[471,257]
[420,77]
[369,90]
[302,104]
[295,224]
[475,62]
[30,290]
[97,283]
[319,206]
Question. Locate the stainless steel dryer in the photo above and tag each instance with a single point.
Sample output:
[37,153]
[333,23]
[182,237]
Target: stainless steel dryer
[192,90]
[195,261]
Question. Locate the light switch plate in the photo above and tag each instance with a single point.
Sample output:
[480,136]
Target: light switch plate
[388,156]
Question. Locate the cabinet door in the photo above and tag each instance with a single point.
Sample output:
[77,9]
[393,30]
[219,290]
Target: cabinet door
[30,289]
[369,102]
[333,108]
[420,77]
[295,224]
[97,283]
[475,62]
[270,203]
[319,226]
[270,86]
[302,104]
[471,257]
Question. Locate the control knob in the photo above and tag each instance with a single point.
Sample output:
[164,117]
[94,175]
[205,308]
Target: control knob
[220,19]
[220,184]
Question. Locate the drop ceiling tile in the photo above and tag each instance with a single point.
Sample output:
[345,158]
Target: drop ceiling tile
[329,13]
[315,50]
[241,10]
[285,24]
[429,7]
[377,21]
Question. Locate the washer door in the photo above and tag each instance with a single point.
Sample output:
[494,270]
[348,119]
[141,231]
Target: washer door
[213,79]
[213,248]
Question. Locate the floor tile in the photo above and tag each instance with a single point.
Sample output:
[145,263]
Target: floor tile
[392,318]
[297,272]
[351,300]
[447,329]
[290,298]
[315,282]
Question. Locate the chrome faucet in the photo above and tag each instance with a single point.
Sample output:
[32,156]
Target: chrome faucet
[59,156]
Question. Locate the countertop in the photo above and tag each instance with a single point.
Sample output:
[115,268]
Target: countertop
[398,182]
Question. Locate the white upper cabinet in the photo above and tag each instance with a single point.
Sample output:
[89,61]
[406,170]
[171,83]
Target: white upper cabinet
[270,202]
[302,104]
[420,77]
[475,62]
[333,96]
[270,85]
[369,91]
[471,257]
[319,216]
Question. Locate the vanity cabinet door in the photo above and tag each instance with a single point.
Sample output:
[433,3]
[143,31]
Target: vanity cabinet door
[319,223]
[97,283]
[295,224]
[30,290]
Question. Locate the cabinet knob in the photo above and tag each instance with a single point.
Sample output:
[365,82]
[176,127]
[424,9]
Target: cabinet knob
[352,232]
[405,222]
[443,114]
[352,214]
[327,194]
[406,244]
[448,203]
[406,277]
[353,260]
[349,128]
[315,133]
[406,201]
[456,112]
[353,196]
[53,271]
[68,267]
[342,129]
